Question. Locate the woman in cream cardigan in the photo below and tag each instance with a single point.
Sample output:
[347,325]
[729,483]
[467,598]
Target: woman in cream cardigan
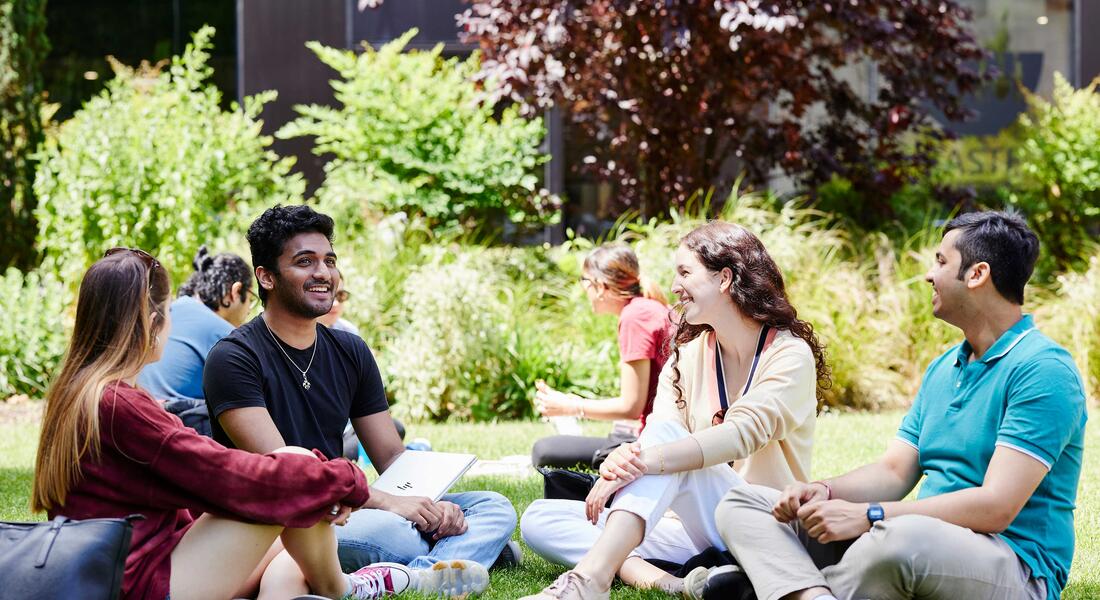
[737,399]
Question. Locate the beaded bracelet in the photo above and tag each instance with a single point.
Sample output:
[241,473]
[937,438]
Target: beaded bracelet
[828,489]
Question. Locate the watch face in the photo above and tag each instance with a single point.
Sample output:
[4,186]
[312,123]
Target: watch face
[875,513]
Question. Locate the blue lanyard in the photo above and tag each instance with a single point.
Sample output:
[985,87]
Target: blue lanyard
[752,370]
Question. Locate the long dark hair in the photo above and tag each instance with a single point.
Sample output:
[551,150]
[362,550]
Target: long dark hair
[757,291]
[214,277]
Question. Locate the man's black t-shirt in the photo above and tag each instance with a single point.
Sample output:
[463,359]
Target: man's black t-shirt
[247,369]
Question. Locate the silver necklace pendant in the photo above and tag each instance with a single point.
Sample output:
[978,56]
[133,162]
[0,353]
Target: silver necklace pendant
[305,382]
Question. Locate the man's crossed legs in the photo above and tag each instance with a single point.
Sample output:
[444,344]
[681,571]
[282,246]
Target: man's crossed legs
[904,557]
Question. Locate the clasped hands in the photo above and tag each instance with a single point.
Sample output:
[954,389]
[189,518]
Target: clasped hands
[823,519]
[621,467]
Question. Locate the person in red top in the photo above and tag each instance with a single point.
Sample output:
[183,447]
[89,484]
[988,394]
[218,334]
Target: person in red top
[107,449]
[611,278]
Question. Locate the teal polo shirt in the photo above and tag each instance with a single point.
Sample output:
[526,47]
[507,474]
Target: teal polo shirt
[1024,393]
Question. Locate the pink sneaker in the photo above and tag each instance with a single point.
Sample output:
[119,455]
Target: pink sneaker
[377,581]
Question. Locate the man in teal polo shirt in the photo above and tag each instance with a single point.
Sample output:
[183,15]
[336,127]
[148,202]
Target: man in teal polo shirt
[997,431]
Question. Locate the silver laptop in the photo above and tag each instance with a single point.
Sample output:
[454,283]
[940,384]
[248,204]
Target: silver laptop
[422,473]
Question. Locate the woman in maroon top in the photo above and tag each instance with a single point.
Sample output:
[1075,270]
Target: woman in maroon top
[612,281]
[108,450]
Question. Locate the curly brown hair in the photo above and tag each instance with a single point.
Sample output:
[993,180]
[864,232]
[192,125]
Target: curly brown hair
[757,290]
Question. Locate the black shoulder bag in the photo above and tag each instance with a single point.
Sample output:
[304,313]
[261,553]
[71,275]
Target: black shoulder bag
[64,559]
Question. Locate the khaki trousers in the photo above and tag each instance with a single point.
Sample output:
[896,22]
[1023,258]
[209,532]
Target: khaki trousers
[905,557]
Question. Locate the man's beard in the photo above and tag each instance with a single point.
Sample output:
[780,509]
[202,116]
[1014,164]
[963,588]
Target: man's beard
[296,303]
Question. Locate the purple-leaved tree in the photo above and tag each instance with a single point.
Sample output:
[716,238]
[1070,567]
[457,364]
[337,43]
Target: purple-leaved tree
[682,95]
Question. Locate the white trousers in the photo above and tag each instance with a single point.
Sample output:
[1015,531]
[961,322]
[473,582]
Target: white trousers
[558,530]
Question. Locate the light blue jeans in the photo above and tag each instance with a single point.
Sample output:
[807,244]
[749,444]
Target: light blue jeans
[373,535]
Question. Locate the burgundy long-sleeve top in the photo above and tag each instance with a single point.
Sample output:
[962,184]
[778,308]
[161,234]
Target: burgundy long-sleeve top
[150,464]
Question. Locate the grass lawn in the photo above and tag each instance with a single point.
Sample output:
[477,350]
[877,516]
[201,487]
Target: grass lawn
[843,441]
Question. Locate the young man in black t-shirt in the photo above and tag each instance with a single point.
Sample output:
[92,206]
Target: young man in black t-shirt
[283,378]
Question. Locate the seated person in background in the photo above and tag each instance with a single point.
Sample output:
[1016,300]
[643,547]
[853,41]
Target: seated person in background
[611,279]
[108,450]
[284,378]
[997,431]
[737,401]
[211,303]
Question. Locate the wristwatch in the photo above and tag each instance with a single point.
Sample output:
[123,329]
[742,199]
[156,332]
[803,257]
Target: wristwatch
[875,513]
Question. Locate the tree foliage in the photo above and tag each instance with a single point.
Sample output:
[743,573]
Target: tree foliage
[680,95]
[413,134]
[154,162]
[1059,165]
[23,46]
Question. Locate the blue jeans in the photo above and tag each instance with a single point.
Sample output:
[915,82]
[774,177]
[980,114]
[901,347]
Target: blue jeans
[372,535]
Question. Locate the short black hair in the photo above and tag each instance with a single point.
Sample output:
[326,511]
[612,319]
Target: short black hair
[271,230]
[1001,239]
[214,277]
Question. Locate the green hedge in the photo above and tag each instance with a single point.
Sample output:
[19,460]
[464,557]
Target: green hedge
[154,162]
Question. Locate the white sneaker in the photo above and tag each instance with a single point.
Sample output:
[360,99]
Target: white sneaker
[378,580]
[451,579]
[571,585]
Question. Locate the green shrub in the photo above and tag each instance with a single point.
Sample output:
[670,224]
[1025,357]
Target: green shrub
[440,358]
[464,331]
[550,332]
[33,331]
[1060,172]
[375,261]
[866,299]
[1070,313]
[910,209]
[413,134]
[153,162]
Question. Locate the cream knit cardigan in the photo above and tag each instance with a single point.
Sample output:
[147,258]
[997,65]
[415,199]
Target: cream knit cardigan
[767,435]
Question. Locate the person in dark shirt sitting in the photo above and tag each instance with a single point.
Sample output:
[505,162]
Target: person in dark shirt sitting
[107,449]
[283,378]
[214,300]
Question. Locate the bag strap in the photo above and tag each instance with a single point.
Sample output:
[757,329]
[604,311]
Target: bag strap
[47,544]
[752,370]
[55,529]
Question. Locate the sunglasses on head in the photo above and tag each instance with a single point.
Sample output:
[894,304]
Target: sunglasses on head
[150,261]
